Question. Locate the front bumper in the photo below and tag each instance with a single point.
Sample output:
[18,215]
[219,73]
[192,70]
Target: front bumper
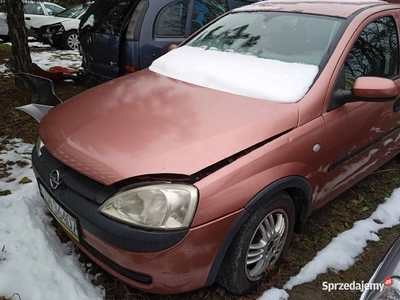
[162,262]
[46,36]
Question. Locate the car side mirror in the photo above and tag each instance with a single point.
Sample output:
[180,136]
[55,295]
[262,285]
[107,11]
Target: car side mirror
[375,89]
[172,47]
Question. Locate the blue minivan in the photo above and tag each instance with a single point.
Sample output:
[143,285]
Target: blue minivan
[119,37]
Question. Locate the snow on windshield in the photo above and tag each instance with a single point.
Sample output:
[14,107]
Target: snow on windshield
[239,74]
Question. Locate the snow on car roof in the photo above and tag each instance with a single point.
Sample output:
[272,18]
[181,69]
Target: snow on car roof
[239,74]
[325,7]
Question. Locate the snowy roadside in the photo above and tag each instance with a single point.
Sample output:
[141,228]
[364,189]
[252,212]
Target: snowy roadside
[344,249]
[33,261]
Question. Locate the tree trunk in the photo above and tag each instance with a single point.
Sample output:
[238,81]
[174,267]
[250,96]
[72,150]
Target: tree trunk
[18,34]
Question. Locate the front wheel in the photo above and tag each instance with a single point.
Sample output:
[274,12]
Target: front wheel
[260,244]
[71,40]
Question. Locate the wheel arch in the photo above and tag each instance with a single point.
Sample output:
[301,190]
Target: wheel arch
[299,190]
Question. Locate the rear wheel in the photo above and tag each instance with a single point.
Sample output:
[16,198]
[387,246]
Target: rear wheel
[71,40]
[260,245]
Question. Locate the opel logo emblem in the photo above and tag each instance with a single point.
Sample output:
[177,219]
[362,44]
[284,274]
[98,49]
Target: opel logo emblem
[55,179]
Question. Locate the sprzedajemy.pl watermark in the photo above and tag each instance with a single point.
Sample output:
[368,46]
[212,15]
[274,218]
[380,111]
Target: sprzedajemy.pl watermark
[352,286]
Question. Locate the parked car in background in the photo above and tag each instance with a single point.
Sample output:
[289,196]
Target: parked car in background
[134,33]
[387,274]
[61,30]
[34,11]
[200,168]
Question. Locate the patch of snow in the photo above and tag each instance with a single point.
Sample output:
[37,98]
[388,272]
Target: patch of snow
[239,74]
[274,294]
[47,59]
[33,261]
[63,58]
[38,45]
[3,68]
[342,251]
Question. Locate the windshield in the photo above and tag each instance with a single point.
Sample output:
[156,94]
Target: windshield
[73,12]
[274,56]
[287,37]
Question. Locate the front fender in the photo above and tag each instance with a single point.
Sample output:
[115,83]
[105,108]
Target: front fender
[252,206]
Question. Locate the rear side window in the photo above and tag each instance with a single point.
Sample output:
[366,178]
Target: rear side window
[171,21]
[204,11]
[33,9]
[110,16]
[375,53]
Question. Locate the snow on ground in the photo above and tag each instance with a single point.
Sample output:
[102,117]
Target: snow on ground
[33,44]
[33,261]
[63,58]
[343,250]
[50,58]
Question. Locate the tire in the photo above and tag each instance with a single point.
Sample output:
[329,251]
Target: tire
[243,267]
[71,40]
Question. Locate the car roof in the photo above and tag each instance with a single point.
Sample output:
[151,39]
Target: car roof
[336,8]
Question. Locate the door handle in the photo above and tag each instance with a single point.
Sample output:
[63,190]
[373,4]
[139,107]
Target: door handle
[27,18]
[396,105]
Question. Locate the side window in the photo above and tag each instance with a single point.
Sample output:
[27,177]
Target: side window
[204,11]
[110,16]
[171,21]
[33,9]
[375,53]
[52,9]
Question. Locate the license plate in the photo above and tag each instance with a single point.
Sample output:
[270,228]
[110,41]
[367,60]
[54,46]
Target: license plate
[65,219]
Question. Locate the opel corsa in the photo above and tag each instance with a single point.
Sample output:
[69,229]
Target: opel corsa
[200,168]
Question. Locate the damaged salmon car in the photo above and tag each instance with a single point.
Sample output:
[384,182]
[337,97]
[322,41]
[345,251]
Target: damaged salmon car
[200,168]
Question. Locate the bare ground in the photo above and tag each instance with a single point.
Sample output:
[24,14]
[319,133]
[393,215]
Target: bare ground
[339,215]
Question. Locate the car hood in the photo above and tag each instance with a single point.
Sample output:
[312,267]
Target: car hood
[49,21]
[146,123]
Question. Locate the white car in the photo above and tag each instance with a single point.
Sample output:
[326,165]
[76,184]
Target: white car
[61,30]
[34,11]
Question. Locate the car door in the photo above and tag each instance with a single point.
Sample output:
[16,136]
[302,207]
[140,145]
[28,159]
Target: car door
[170,22]
[101,42]
[361,136]
[34,11]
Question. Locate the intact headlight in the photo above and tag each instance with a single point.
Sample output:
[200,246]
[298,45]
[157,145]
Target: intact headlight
[390,291]
[159,206]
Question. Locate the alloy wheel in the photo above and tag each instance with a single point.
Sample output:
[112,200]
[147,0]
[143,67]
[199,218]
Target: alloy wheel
[266,244]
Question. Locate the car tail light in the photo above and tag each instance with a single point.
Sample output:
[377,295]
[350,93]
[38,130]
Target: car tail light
[131,69]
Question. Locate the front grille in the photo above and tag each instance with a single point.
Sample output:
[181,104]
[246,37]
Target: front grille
[81,184]
[82,196]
